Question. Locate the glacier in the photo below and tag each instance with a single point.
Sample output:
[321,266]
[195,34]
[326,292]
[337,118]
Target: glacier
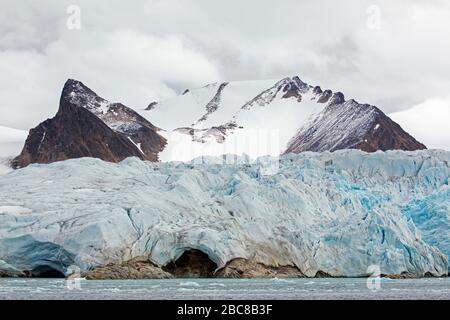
[337,213]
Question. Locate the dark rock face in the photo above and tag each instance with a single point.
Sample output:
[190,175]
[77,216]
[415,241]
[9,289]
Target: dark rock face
[325,96]
[350,125]
[88,126]
[74,133]
[301,86]
[388,135]
[142,133]
[214,103]
[287,87]
[337,98]
[151,105]
[317,90]
[290,92]
[294,88]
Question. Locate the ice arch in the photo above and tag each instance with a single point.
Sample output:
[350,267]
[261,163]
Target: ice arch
[46,271]
[192,262]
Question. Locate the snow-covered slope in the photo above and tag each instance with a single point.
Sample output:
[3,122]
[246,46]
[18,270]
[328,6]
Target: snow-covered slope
[332,212]
[252,117]
[255,118]
[271,117]
[11,143]
[351,125]
[117,116]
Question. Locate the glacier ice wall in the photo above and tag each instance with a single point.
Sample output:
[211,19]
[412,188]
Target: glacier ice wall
[332,212]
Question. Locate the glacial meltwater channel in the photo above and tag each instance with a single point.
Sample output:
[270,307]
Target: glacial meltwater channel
[254,289]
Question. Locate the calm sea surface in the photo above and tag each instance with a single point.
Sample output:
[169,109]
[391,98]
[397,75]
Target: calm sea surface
[430,288]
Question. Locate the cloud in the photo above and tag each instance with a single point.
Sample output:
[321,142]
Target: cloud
[124,65]
[428,122]
[148,50]
[26,98]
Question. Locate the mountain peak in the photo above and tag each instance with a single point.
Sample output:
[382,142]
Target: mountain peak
[213,120]
[306,118]
[299,82]
[71,81]
[337,98]
[76,93]
[350,125]
[74,87]
[87,125]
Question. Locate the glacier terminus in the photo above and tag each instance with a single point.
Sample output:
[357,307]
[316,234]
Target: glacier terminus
[329,213]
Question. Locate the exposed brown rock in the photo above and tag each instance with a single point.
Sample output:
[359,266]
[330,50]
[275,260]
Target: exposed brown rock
[317,90]
[8,271]
[196,264]
[388,135]
[244,268]
[408,275]
[132,269]
[294,88]
[219,133]
[192,264]
[10,274]
[292,93]
[325,96]
[74,133]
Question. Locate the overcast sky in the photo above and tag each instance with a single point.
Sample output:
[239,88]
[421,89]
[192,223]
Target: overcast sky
[393,54]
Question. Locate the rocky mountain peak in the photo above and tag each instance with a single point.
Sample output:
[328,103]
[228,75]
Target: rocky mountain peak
[302,86]
[216,116]
[317,90]
[337,98]
[77,94]
[87,125]
[74,89]
[350,125]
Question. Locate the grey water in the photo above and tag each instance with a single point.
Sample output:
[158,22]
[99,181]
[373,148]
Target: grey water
[226,289]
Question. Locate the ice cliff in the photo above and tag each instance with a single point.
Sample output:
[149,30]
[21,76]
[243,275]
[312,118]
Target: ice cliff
[337,213]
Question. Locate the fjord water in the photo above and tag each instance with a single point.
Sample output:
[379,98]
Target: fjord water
[252,289]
